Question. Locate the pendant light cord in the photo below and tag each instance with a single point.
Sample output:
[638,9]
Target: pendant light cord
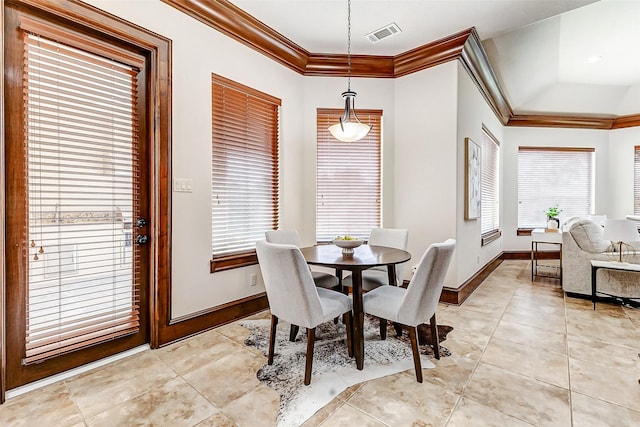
[349,45]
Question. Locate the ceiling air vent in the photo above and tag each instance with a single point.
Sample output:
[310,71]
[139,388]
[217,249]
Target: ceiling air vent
[384,32]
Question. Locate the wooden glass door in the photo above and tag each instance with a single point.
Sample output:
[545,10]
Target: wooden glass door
[77,200]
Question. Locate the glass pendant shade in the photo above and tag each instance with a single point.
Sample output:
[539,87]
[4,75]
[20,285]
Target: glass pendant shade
[349,129]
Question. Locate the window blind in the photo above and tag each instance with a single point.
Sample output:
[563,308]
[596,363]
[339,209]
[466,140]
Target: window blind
[636,182]
[244,170]
[348,178]
[490,196]
[554,176]
[81,152]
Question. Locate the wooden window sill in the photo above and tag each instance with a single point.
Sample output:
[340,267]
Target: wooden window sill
[229,262]
[490,237]
[524,231]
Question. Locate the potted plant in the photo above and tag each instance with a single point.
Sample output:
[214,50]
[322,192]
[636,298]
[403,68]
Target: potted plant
[553,222]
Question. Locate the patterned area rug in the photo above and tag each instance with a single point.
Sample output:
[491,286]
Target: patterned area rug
[333,370]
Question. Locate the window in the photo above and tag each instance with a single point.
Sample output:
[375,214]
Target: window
[244,172]
[490,194]
[636,181]
[550,176]
[348,178]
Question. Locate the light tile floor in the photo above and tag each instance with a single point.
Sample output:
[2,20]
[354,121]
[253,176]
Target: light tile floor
[522,354]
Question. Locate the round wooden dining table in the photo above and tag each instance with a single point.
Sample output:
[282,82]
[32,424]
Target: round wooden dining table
[363,258]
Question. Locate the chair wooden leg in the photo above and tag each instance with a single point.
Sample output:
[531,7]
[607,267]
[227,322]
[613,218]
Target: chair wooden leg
[434,336]
[311,337]
[272,338]
[338,288]
[416,353]
[346,318]
[383,329]
[398,328]
[293,332]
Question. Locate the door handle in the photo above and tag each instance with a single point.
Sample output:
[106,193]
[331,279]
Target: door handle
[142,239]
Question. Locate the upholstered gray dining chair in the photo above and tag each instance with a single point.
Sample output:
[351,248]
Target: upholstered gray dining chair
[321,279]
[378,276]
[294,298]
[291,237]
[417,303]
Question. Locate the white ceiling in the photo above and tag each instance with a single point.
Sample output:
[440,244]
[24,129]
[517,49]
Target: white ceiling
[538,48]
[544,66]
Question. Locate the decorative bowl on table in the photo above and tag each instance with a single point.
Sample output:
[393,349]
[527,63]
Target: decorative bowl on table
[347,244]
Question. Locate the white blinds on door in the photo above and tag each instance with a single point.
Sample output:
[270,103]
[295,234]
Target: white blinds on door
[81,148]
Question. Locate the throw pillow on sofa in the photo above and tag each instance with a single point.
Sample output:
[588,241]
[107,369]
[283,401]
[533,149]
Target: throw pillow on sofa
[588,236]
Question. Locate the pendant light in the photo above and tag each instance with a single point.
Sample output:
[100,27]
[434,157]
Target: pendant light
[349,129]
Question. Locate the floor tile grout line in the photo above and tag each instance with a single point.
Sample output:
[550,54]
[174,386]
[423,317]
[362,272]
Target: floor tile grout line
[75,403]
[566,330]
[324,420]
[453,409]
[367,414]
[495,409]
[608,402]
[569,357]
[198,392]
[518,373]
[527,376]
[477,363]
[111,365]
[464,388]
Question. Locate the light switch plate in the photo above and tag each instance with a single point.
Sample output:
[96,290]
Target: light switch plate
[183,185]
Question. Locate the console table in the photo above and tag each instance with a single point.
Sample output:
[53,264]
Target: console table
[609,265]
[541,236]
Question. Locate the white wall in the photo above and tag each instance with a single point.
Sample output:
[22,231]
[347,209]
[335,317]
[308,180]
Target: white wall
[426,159]
[621,153]
[473,112]
[199,51]
[325,92]
[523,136]
[427,115]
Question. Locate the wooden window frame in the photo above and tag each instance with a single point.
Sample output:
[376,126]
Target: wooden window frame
[228,140]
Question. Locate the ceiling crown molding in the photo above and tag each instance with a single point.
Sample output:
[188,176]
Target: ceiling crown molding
[239,25]
[334,65]
[582,122]
[542,120]
[431,54]
[475,60]
[626,121]
[465,46]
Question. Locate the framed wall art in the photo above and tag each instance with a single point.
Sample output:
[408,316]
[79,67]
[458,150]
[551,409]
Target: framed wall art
[473,169]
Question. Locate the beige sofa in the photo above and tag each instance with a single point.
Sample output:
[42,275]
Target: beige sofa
[583,242]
